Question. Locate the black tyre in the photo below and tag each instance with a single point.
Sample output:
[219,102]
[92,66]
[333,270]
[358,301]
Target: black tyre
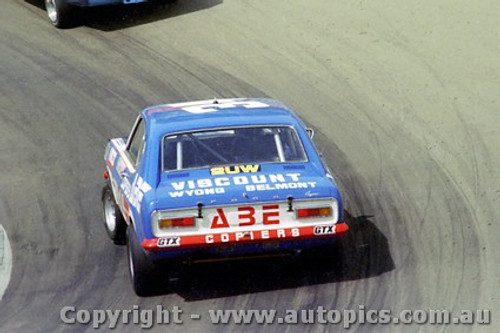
[113,220]
[61,14]
[143,271]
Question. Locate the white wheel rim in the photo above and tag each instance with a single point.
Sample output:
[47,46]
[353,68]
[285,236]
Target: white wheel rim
[110,214]
[131,262]
[51,8]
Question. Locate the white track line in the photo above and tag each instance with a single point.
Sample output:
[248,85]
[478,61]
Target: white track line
[5,261]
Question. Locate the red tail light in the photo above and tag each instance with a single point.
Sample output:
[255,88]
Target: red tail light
[176,222]
[303,213]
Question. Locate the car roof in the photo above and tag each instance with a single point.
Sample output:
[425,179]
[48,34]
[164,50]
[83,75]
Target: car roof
[177,117]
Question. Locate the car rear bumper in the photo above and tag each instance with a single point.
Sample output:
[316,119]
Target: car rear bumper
[242,243]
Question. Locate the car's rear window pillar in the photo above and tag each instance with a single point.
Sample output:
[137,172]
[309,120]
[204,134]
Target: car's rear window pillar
[179,153]
[279,146]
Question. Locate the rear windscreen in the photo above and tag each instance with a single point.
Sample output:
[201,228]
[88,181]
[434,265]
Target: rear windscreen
[200,149]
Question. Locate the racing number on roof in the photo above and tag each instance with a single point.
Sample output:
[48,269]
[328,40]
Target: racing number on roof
[226,105]
[246,216]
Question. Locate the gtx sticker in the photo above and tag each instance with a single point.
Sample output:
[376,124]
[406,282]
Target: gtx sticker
[324,230]
[168,242]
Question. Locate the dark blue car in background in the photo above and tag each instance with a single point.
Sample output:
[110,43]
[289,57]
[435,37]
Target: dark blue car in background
[65,13]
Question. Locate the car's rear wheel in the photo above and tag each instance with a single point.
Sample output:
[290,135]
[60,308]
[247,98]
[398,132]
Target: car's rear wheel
[143,271]
[60,13]
[113,220]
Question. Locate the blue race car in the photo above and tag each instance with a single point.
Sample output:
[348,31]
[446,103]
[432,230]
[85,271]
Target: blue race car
[64,13]
[214,180]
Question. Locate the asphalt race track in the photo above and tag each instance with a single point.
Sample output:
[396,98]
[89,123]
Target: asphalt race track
[404,98]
